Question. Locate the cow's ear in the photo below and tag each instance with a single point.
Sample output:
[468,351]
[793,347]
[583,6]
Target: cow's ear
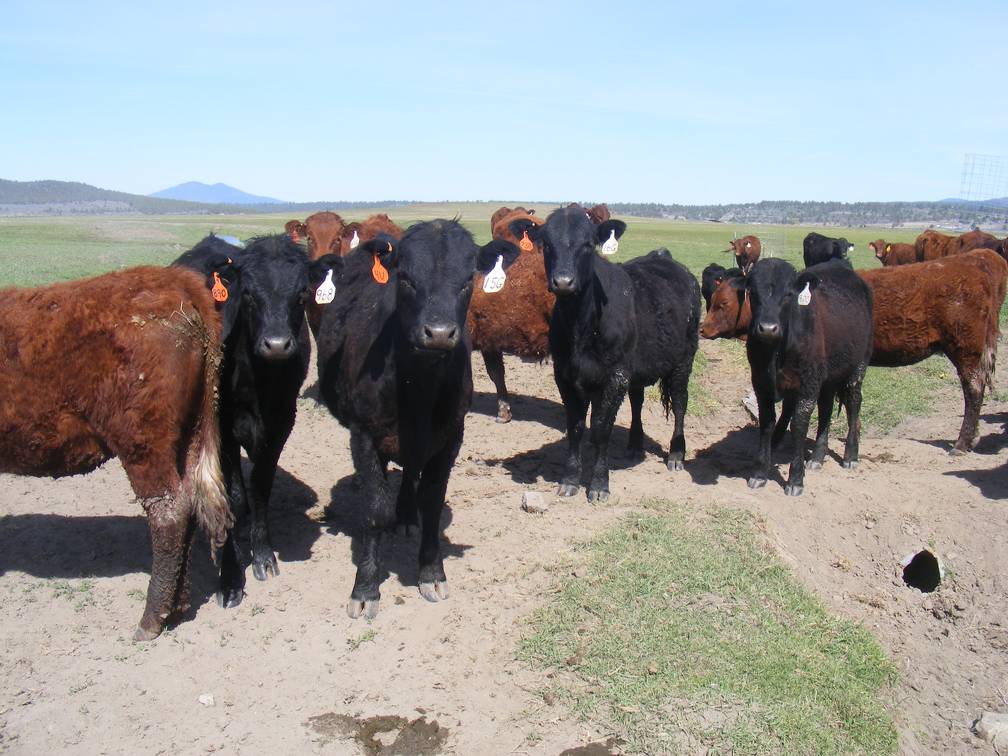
[385,248]
[296,230]
[224,275]
[486,259]
[603,230]
[522,226]
[319,269]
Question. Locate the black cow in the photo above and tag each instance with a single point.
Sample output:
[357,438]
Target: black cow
[712,277]
[615,328]
[394,368]
[817,249]
[266,353]
[810,341]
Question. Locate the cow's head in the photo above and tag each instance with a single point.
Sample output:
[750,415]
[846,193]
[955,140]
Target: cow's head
[568,239]
[880,249]
[747,251]
[768,286]
[268,284]
[322,231]
[710,279]
[434,263]
[729,313]
[842,248]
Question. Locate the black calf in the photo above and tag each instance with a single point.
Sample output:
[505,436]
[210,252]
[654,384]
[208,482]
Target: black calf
[810,341]
[712,277]
[394,368]
[817,249]
[615,328]
[266,353]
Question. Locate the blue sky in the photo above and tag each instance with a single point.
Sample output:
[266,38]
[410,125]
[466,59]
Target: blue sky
[708,102]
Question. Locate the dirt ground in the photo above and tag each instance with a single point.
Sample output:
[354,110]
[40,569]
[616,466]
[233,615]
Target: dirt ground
[289,672]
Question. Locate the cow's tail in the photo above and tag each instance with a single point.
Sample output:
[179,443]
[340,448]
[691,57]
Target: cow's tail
[204,481]
[665,390]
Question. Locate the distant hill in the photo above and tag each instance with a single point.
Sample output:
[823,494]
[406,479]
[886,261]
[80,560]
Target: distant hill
[997,202]
[196,191]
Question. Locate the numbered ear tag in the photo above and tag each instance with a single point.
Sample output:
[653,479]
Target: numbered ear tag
[494,280]
[611,245]
[219,291]
[326,291]
[378,272]
[806,295]
[525,245]
[355,241]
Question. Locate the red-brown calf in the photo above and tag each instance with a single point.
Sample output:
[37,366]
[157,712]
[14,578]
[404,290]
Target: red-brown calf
[893,253]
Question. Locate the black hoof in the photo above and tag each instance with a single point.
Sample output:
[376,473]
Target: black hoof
[263,567]
[368,609]
[229,598]
[675,465]
[567,489]
[756,482]
[958,451]
[793,490]
[597,496]
[434,592]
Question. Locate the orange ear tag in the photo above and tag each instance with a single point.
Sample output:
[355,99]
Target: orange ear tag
[525,245]
[219,291]
[378,272]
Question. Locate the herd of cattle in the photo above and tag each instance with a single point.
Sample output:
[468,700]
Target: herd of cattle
[176,370]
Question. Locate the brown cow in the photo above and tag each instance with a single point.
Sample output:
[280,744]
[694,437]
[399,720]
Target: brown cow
[932,245]
[502,211]
[747,251]
[123,365]
[893,253]
[366,230]
[949,306]
[516,319]
[597,214]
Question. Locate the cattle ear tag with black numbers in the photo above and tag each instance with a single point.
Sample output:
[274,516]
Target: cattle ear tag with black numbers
[326,291]
[219,291]
[525,245]
[355,241]
[494,280]
[378,272]
[611,245]
[806,295]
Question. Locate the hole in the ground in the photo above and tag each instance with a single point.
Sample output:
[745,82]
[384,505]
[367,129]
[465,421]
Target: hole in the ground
[922,571]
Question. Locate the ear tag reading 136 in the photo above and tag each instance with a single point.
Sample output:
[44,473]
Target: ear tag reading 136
[355,241]
[806,295]
[611,245]
[525,245]
[326,291]
[494,280]
[378,272]
[219,291]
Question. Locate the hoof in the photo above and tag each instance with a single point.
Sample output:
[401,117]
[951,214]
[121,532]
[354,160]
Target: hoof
[755,482]
[793,490]
[567,489]
[356,608]
[958,451]
[262,568]
[142,636]
[675,465]
[597,496]
[503,412]
[849,464]
[813,465]
[230,598]
[434,592]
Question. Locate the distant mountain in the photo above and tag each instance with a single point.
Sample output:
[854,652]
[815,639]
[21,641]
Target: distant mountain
[196,191]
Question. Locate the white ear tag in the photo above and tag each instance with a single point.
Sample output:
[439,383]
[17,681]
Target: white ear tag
[326,291]
[355,241]
[806,295]
[611,245]
[494,280]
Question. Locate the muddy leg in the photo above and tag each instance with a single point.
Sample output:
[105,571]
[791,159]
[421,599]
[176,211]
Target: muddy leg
[169,524]
[576,409]
[603,418]
[432,581]
[850,457]
[767,416]
[635,446]
[495,369]
[973,394]
[825,411]
[799,433]
[679,398]
[364,598]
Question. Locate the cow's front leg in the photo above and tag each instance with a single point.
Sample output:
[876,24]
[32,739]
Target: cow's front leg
[432,581]
[264,561]
[576,408]
[378,517]
[603,417]
[799,432]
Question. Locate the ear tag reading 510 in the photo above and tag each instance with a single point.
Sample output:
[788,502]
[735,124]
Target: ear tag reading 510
[806,295]
[326,291]
[611,245]
[219,291]
[525,245]
[355,241]
[378,272]
[494,280]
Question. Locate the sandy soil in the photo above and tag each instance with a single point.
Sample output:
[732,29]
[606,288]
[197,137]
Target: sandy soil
[288,671]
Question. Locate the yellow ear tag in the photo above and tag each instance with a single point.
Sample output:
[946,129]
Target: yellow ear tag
[378,272]
[611,245]
[525,245]
[326,291]
[494,280]
[355,241]
[219,291]
[888,247]
[806,295]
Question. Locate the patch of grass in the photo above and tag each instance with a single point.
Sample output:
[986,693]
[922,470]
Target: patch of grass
[684,631]
[366,637]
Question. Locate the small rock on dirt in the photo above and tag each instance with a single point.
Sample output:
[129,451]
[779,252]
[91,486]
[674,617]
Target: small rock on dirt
[534,502]
[991,726]
[206,699]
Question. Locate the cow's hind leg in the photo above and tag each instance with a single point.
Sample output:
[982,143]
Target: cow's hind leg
[972,382]
[676,389]
[635,446]
[379,516]
[853,406]
[432,582]
[603,417]
[495,369]
[825,411]
[170,523]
